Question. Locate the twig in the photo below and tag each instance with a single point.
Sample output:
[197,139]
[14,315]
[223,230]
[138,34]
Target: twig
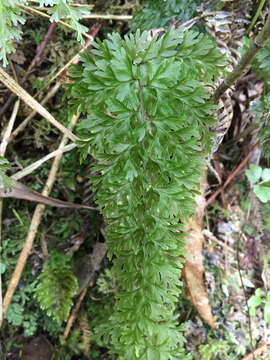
[244,62]
[212,237]
[245,296]
[75,310]
[29,100]
[29,169]
[3,147]
[232,175]
[41,47]
[25,122]
[6,136]
[108,17]
[92,264]
[33,227]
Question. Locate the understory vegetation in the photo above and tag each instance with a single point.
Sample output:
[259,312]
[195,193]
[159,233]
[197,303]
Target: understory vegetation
[135,180]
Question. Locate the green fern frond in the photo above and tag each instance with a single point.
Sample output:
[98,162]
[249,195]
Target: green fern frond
[148,114]
[57,286]
[10,17]
[61,9]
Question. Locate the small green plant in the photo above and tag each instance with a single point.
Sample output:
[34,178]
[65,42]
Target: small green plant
[10,15]
[257,300]
[5,181]
[215,350]
[57,286]
[260,179]
[16,314]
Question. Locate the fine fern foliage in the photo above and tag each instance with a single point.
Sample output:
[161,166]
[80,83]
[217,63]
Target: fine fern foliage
[57,286]
[10,15]
[147,128]
[61,10]
[158,13]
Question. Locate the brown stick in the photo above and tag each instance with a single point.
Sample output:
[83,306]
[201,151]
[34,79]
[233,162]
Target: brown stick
[41,47]
[232,175]
[75,310]
[22,126]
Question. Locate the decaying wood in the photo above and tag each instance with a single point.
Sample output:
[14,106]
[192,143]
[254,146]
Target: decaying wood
[193,267]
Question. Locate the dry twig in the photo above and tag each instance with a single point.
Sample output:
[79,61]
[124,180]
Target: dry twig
[75,310]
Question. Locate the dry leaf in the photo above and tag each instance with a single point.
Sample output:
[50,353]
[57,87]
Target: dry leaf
[20,191]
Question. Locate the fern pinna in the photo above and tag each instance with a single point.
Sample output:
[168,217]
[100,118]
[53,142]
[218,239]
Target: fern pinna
[147,128]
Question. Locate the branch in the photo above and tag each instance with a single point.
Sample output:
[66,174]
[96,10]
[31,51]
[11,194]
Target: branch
[244,62]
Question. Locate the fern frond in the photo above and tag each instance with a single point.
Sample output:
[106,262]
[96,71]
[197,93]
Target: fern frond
[61,9]
[10,17]
[57,286]
[148,113]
